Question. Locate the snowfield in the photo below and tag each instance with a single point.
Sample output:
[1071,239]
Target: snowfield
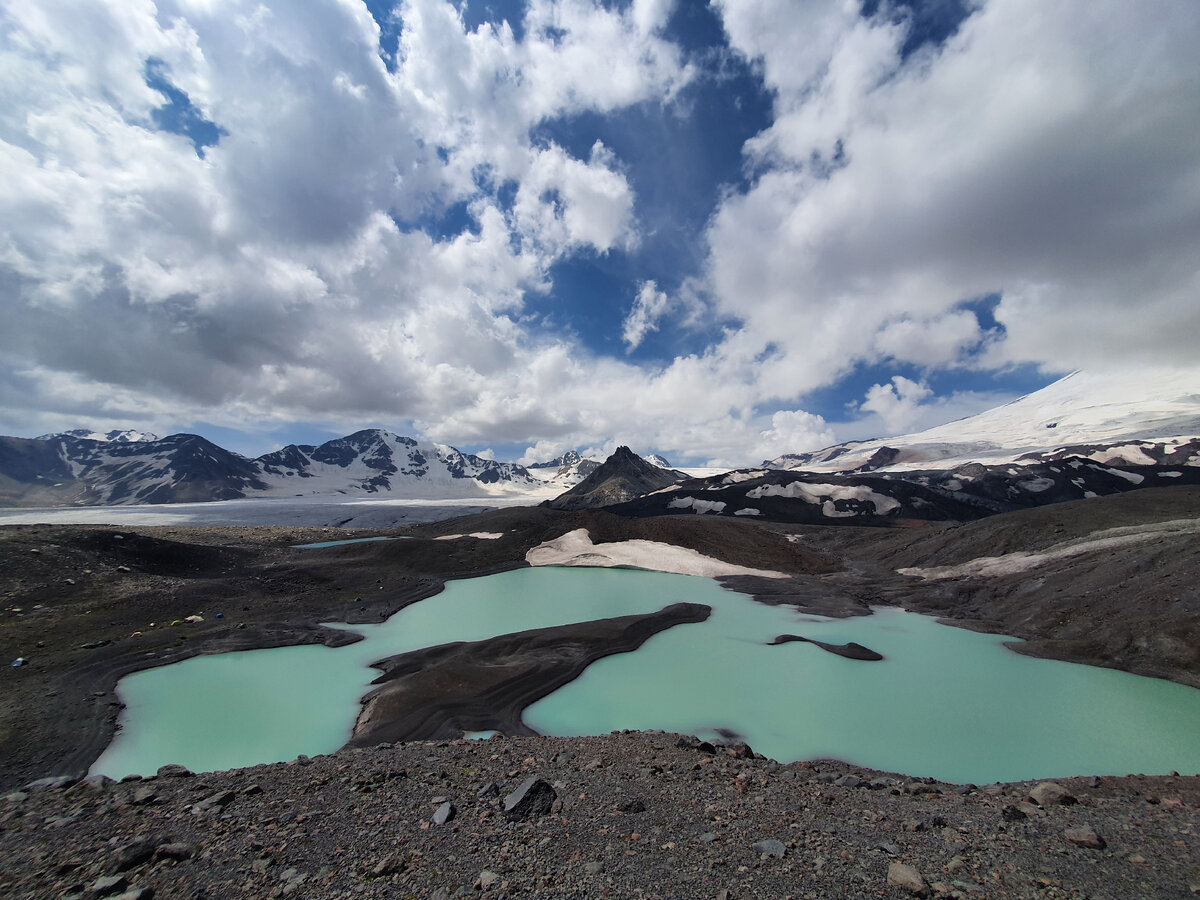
[575,548]
[1136,412]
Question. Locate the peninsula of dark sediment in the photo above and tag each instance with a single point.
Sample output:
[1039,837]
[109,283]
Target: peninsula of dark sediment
[443,691]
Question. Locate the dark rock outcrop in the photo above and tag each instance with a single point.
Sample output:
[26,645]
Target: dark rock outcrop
[621,477]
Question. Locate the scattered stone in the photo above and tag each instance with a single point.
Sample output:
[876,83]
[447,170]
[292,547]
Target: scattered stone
[444,813]
[174,770]
[1084,836]
[487,879]
[491,789]
[214,803]
[907,878]
[1011,813]
[532,799]
[97,784]
[136,894]
[143,796]
[177,852]
[108,884]
[688,742]
[134,854]
[392,864]
[595,867]
[771,847]
[848,781]
[634,805]
[52,783]
[1050,794]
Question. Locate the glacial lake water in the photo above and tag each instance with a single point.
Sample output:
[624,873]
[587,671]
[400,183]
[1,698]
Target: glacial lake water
[944,702]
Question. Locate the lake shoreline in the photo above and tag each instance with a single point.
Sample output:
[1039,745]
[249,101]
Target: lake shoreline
[86,597]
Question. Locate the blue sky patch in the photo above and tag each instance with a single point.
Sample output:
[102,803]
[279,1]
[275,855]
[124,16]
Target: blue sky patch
[178,115]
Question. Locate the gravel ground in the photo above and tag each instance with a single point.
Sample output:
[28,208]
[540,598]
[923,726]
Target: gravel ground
[625,815]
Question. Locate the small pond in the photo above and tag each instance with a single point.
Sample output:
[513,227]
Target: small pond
[944,702]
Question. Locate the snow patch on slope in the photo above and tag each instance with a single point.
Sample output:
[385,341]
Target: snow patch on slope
[575,548]
[826,494]
[1017,562]
[699,506]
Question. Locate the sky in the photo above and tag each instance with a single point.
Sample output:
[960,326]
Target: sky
[719,231]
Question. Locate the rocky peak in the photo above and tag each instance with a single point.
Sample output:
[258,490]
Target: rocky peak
[621,477]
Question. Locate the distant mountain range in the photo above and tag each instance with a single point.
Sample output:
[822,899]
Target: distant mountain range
[81,468]
[1086,435]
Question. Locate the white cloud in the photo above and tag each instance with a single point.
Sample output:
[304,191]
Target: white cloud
[1045,153]
[898,404]
[565,203]
[649,306]
[934,342]
[1041,154]
[792,431]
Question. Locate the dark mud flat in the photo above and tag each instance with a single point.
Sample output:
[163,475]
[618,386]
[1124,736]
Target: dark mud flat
[627,815]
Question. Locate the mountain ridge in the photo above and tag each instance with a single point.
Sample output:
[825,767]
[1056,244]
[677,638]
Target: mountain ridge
[66,469]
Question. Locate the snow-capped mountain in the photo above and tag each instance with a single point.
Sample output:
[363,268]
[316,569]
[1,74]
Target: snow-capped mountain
[80,470]
[374,461]
[655,460]
[127,436]
[65,468]
[966,492]
[1140,418]
[565,471]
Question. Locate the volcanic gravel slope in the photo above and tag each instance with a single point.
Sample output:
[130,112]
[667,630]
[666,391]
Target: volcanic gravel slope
[627,815]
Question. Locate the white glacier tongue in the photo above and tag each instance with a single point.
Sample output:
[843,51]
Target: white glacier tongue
[1116,416]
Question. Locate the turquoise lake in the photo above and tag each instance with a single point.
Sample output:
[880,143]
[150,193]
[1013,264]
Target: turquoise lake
[945,702]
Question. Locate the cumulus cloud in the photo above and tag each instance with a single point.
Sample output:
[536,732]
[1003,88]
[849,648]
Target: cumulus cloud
[898,404]
[1040,153]
[282,274]
[1044,153]
[649,306]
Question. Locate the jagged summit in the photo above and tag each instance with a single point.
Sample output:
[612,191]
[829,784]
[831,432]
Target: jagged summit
[621,477]
[570,458]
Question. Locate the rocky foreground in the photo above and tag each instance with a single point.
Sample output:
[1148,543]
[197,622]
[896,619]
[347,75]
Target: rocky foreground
[627,815]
